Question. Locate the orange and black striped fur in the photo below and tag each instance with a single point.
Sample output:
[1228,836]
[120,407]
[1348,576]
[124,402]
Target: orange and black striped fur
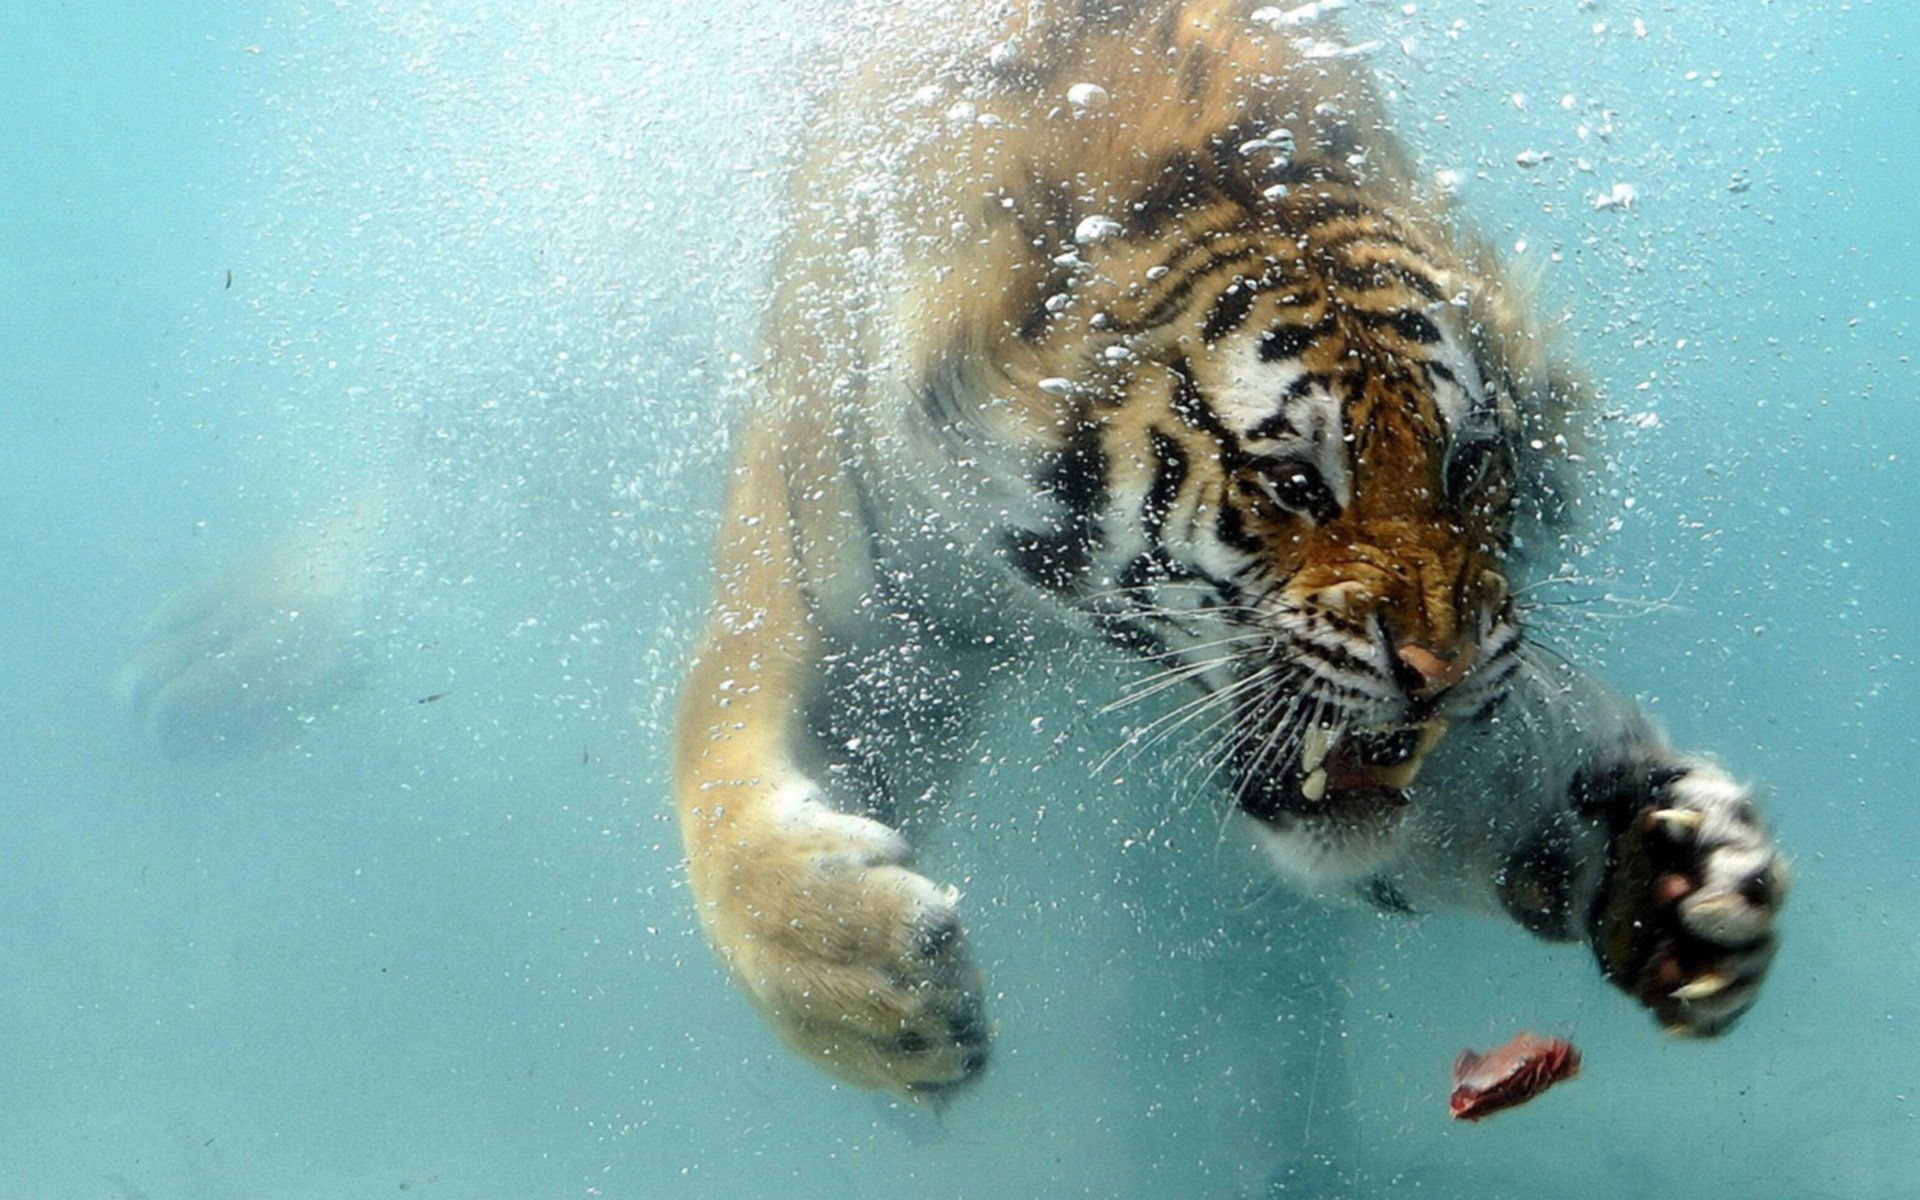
[1130,318]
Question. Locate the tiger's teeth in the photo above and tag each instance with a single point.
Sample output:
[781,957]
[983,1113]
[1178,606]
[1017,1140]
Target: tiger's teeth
[1399,777]
[1314,786]
[1313,750]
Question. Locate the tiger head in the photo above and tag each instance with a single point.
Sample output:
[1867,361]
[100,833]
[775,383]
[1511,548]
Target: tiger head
[1261,413]
[1324,457]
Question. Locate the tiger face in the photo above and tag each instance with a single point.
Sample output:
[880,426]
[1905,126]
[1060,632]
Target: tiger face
[1311,516]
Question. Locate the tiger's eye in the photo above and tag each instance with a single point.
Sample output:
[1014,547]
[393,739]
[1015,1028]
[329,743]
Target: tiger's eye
[1298,488]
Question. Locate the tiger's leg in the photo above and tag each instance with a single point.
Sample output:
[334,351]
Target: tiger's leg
[856,960]
[1585,824]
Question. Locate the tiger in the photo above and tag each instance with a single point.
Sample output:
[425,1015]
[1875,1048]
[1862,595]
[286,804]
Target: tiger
[1130,327]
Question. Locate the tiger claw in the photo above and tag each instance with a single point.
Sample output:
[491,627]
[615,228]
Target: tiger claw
[1710,984]
[1677,821]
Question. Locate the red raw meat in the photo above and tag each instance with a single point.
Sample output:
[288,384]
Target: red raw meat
[1512,1074]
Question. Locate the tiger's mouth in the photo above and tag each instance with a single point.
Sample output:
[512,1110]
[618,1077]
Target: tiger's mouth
[1349,773]
[1382,756]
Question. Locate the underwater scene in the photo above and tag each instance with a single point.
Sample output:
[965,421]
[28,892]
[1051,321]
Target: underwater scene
[373,376]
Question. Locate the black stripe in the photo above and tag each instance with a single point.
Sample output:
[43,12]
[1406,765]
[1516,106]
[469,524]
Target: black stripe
[1179,187]
[1614,785]
[1413,326]
[1325,210]
[1229,311]
[1192,408]
[1280,424]
[1157,566]
[1535,884]
[1038,319]
[1150,567]
[1169,475]
[1335,658]
[1233,171]
[1174,299]
[939,394]
[1076,476]
[1046,560]
[1416,327]
[1353,381]
[1372,276]
[1230,526]
[1129,634]
[1284,342]
[1492,678]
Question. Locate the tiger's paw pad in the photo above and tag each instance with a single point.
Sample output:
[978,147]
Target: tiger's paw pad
[862,964]
[1686,918]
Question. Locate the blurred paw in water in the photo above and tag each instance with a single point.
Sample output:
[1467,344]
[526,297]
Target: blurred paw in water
[239,662]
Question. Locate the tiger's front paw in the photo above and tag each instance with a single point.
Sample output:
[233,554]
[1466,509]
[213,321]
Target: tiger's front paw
[859,963]
[1685,918]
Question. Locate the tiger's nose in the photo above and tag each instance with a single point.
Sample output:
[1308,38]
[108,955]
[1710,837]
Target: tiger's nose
[1426,671]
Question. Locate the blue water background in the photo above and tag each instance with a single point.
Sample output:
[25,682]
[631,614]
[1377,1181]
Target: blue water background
[501,259]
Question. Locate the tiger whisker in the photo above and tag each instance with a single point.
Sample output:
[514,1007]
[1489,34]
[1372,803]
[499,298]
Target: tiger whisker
[1282,740]
[1634,604]
[1230,747]
[1157,682]
[1261,607]
[1549,581]
[1167,723]
[1161,728]
[1172,677]
[1237,730]
[1529,641]
[1251,635]
[1270,742]
[1137,589]
[1572,610]
[1248,719]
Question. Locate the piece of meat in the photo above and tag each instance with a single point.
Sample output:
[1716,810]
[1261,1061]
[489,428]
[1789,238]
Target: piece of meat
[1511,1074]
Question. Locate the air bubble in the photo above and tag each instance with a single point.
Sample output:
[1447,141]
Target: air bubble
[1096,228]
[1620,195]
[1087,97]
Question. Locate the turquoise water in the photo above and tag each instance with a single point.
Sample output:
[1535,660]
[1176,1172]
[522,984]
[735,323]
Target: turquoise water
[486,271]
